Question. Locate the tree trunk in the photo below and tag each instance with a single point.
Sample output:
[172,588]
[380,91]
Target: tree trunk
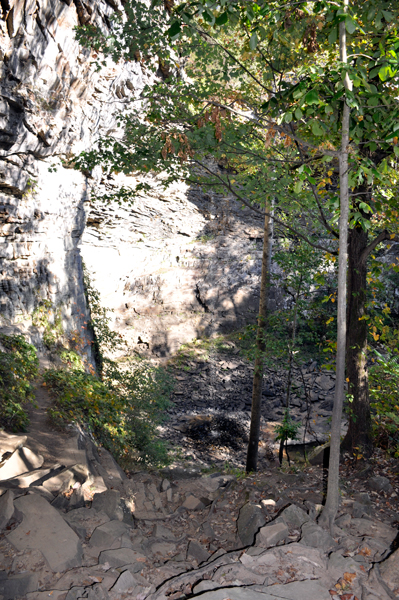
[329,513]
[358,438]
[253,444]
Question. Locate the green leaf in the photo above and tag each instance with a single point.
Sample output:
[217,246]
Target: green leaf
[207,17]
[298,186]
[222,19]
[396,151]
[288,117]
[350,25]
[312,97]
[253,42]
[385,72]
[174,29]
[316,129]
[387,15]
[333,35]
[373,101]
[298,113]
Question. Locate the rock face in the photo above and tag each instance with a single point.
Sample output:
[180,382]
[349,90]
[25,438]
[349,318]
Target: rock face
[52,104]
[175,266]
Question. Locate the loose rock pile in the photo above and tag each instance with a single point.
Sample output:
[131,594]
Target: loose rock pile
[212,407]
[87,531]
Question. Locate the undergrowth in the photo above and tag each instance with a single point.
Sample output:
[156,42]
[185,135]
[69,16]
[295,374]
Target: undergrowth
[384,384]
[122,410]
[122,405]
[18,368]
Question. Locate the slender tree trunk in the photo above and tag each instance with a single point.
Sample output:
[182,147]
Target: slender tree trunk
[289,381]
[330,510]
[358,438]
[252,453]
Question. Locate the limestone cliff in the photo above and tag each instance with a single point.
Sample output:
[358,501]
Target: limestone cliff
[176,265]
[53,104]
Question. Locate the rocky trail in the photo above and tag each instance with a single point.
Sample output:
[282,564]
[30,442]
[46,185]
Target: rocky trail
[211,407]
[82,528]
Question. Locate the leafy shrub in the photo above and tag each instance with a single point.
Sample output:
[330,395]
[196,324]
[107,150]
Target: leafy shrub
[18,367]
[122,410]
[48,319]
[384,385]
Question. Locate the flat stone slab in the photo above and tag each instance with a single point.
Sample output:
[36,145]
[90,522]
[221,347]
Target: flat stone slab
[10,443]
[105,535]
[6,508]
[298,590]
[21,461]
[44,529]
[121,557]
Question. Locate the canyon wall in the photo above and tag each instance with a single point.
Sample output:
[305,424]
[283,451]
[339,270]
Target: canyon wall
[176,265]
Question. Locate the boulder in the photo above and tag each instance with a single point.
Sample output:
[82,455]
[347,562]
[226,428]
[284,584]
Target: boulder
[21,461]
[44,529]
[316,537]
[84,521]
[294,516]
[270,535]
[250,520]
[380,484]
[65,479]
[9,443]
[18,585]
[105,535]
[109,502]
[197,552]
[121,557]
[6,508]
[193,503]
[389,570]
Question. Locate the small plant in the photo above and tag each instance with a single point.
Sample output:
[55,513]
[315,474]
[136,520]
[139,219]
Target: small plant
[384,383]
[287,430]
[48,318]
[18,367]
[122,410]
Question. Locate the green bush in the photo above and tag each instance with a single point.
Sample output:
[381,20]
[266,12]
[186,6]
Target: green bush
[384,385]
[122,410]
[18,367]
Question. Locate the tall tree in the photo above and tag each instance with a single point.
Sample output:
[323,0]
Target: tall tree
[253,442]
[330,510]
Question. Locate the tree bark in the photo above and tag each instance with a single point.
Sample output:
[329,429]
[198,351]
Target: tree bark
[358,438]
[253,444]
[329,513]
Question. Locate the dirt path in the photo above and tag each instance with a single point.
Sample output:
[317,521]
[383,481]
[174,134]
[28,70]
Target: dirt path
[55,446]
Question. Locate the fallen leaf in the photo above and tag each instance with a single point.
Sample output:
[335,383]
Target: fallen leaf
[349,577]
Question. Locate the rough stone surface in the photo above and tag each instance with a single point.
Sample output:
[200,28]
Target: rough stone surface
[44,529]
[193,503]
[18,585]
[105,535]
[109,502]
[380,484]
[270,535]
[316,537]
[197,552]
[21,461]
[6,508]
[250,520]
[294,516]
[121,557]
[389,570]
[9,443]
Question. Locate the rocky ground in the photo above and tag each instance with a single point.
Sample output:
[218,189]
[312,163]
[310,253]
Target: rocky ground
[211,405]
[85,529]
